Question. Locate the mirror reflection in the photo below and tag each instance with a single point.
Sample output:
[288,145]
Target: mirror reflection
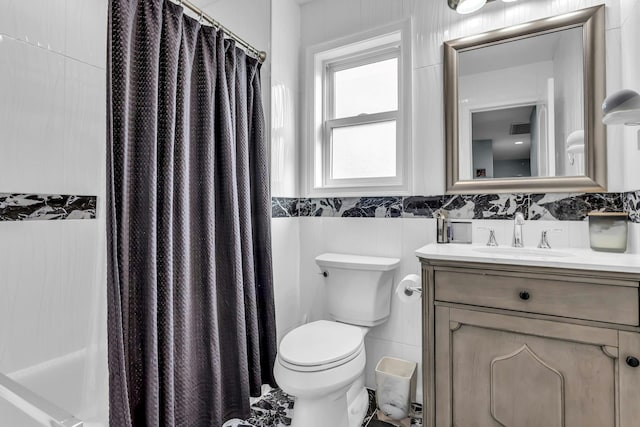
[521,108]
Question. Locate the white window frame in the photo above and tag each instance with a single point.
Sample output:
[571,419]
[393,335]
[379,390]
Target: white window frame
[322,61]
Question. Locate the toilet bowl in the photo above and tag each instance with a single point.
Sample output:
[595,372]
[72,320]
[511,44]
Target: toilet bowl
[322,365]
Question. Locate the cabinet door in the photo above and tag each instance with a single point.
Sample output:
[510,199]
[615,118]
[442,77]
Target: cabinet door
[629,379]
[495,370]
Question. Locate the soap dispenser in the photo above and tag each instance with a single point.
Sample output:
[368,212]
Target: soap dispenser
[442,231]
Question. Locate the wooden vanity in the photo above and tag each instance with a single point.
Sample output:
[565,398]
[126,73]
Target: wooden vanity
[525,344]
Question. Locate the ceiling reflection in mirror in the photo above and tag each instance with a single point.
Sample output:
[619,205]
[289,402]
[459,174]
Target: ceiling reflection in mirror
[521,108]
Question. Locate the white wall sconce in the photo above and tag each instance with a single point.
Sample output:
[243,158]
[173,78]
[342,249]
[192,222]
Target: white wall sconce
[622,108]
[464,7]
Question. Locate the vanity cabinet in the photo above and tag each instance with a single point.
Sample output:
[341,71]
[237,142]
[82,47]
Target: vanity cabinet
[517,346]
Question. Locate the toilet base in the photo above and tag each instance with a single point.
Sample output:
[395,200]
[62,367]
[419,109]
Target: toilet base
[333,397]
[358,408]
[332,410]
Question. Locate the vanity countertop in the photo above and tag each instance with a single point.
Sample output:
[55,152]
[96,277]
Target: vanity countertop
[584,259]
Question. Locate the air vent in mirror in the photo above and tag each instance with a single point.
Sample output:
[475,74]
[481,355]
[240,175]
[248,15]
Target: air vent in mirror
[520,128]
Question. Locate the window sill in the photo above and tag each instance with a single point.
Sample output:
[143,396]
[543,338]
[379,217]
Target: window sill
[357,192]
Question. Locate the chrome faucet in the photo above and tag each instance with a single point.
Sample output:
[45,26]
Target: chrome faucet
[544,238]
[544,241]
[518,222]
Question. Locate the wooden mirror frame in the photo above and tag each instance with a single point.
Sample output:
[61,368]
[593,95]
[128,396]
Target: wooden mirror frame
[592,21]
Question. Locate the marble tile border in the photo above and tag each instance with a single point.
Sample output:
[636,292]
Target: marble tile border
[30,207]
[486,206]
[550,206]
[283,207]
[573,207]
[632,205]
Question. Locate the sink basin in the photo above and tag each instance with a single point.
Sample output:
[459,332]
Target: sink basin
[522,252]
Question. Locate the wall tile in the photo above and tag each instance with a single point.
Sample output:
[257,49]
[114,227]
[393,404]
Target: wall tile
[432,19]
[40,23]
[285,42]
[416,232]
[492,17]
[89,18]
[31,118]
[367,236]
[613,14]
[616,148]
[394,328]
[375,13]
[84,133]
[313,23]
[428,131]
[330,19]
[48,277]
[524,11]
[630,34]
[626,9]
[285,97]
[284,149]
[413,353]
[285,243]
[633,239]
[313,242]
[578,234]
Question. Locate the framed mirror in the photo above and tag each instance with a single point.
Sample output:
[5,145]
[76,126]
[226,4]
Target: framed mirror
[523,107]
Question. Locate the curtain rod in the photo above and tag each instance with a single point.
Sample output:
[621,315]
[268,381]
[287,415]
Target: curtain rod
[260,54]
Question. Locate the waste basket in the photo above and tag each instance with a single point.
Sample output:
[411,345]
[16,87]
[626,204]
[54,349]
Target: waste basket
[395,387]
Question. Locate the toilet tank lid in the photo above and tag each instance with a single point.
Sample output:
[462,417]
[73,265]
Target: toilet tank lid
[357,262]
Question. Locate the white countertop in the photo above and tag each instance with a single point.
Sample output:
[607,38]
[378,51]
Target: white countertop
[585,259]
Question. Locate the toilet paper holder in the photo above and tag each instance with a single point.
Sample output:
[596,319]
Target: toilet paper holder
[409,290]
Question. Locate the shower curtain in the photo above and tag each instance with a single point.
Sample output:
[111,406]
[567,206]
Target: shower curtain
[191,326]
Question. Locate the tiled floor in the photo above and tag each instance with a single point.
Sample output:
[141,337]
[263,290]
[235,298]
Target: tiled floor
[275,408]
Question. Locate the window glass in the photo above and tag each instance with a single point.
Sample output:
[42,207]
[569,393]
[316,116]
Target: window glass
[364,151]
[366,89]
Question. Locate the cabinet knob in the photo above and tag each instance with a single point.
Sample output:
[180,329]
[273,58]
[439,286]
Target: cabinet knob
[524,295]
[633,361]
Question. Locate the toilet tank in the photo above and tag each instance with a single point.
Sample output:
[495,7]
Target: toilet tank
[358,288]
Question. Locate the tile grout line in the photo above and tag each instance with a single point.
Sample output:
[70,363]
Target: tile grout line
[49,50]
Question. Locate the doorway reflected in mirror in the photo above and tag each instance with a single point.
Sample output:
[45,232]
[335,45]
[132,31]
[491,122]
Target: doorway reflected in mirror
[507,143]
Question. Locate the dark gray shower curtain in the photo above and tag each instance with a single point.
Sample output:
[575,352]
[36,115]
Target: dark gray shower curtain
[190,294]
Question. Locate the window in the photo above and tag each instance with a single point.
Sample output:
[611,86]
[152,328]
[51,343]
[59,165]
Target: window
[358,104]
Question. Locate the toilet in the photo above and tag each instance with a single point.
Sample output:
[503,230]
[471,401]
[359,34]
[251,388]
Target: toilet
[322,363]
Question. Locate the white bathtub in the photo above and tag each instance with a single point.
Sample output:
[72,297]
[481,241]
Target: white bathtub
[74,383]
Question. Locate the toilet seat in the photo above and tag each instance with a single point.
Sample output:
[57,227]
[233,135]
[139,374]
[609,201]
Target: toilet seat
[320,345]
